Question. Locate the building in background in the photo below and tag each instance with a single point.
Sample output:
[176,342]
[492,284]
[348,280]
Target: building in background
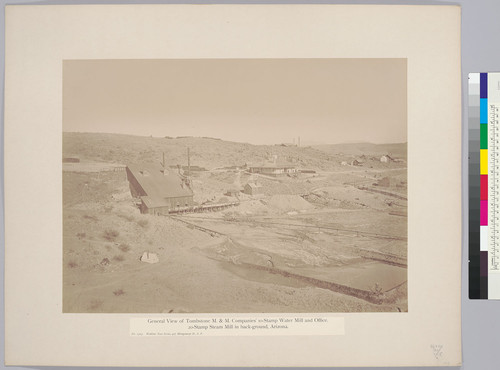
[273,170]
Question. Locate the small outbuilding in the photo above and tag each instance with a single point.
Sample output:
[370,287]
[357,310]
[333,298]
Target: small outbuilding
[252,188]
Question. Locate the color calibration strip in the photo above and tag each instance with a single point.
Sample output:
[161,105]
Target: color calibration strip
[484,186]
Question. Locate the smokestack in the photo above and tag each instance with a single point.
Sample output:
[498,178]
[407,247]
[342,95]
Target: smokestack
[189,164]
[293,141]
[299,141]
[165,171]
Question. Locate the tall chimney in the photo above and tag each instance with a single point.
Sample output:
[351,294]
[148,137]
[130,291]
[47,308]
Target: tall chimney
[164,165]
[189,164]
[299,141]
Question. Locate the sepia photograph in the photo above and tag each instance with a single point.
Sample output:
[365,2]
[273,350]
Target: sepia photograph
[235,185]
[246,180]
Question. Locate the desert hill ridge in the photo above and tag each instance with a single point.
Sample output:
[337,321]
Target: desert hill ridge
[213,152]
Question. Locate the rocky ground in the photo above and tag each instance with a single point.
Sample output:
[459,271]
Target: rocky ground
[265,255]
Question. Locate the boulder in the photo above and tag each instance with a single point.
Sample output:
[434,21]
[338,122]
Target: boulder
[149,257]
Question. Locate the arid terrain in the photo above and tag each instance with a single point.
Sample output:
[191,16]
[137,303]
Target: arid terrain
[331,238]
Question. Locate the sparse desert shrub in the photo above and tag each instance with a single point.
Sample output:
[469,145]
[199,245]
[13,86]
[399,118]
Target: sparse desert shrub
[93,218]
[72,264]
[118,258]
[143,222]
[110,234]
[376,289]
[124,247]
[95,304]
[119,292]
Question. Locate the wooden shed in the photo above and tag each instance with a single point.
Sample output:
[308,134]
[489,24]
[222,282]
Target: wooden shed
[252,188]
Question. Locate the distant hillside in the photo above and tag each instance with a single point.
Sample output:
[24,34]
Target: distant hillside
[394,150]
[205,152]
[211,153]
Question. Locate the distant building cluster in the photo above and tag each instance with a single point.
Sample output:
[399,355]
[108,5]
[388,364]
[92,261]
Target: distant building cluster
[164,189]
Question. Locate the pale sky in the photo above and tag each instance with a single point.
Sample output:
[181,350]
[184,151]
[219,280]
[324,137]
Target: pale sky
[259,101]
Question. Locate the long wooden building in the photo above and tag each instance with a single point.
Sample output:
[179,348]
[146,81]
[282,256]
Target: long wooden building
[160,189]
[272,170]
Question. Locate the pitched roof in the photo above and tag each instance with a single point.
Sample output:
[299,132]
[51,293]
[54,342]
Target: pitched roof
[157,185]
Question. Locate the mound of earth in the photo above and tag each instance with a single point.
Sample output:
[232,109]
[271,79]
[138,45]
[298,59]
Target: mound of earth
[287,203]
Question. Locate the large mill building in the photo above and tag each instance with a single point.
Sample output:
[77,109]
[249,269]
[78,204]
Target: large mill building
[159,189]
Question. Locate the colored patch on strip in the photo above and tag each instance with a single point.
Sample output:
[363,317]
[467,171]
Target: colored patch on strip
[483,83]
[484,136]
[483,238]
[483,162]
[483,111]
[483,262]
[483,218]
[484,187]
